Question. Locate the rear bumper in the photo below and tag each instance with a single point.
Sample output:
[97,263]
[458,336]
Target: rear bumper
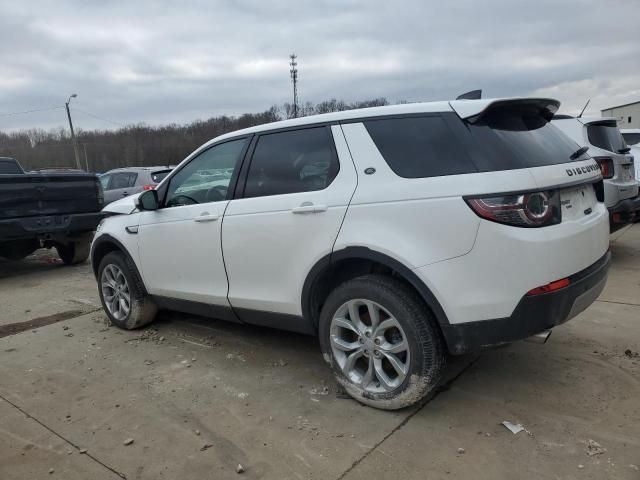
[52,227]
[533,314]
[625,211]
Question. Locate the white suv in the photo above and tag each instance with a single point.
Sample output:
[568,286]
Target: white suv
[397,234]
[608,148]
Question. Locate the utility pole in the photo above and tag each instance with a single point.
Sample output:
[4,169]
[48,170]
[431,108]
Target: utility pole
[294,78]
[73,135]
[86,159]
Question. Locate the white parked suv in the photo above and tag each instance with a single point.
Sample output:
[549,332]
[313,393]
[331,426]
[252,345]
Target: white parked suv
[608,148]
[632,139]
[397,234]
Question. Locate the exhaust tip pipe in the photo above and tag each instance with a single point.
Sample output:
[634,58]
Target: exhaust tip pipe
[541,337]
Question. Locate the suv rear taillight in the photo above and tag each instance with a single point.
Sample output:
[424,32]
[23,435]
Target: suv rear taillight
[149,187]
[606,166]
[530,209]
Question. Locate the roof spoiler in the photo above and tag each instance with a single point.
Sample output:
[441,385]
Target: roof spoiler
[470,95]
[474,111]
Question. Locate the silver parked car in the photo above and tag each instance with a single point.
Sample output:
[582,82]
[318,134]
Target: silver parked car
[122,182]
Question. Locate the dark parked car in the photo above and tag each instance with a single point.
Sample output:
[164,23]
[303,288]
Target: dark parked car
[123,182]
[60,210]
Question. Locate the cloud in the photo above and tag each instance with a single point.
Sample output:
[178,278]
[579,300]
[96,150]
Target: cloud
[172,61]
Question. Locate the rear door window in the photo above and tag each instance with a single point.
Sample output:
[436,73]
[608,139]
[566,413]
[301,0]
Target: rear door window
[417,147]
[292,162]
[122,180]
[605,136]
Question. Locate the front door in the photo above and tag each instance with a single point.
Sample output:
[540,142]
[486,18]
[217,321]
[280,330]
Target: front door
[179,244]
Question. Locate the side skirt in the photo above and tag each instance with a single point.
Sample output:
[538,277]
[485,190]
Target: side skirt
[280,321]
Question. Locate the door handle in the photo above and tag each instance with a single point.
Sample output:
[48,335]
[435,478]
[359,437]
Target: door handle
[124,194]
[206,217]
[308,207]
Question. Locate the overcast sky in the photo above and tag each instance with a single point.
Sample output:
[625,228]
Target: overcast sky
[173,62]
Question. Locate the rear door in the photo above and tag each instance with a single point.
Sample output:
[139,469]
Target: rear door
[287,216]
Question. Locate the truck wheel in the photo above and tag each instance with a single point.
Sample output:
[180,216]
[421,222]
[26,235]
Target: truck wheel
[72,253]
[382,342]
[18,250]
[122,293]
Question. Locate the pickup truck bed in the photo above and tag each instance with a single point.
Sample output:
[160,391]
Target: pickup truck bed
[58,210]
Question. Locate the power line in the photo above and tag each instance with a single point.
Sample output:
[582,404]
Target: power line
[97,117]
[30,111]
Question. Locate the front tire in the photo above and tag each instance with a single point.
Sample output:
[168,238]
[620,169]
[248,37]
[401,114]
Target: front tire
[382,342]
[122,294]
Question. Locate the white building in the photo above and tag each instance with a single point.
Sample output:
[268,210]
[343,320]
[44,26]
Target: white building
[628,115]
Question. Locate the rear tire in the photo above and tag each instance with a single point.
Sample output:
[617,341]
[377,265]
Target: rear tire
[74,252]
[401,351]
[122,293]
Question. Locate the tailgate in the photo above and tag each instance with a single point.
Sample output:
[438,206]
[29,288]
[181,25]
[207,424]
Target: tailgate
[575,182]
[38,194]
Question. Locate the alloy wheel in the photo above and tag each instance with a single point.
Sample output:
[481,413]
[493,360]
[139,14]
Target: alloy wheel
[370,346]
[115,292]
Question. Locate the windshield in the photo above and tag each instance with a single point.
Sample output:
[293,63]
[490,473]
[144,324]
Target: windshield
[631,138]
[605,136]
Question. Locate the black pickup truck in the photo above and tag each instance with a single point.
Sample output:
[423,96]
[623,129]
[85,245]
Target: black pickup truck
[45,210]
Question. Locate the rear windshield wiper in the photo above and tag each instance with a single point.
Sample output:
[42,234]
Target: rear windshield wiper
[578,153]
[624,150]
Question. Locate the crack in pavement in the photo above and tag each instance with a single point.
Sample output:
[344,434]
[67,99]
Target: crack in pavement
[620,303]
[440,389]
[64,439]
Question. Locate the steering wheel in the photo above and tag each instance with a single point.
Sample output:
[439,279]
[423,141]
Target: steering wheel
[182,200]
[217,193]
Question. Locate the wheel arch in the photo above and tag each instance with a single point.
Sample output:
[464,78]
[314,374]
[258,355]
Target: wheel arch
[350,262]
[105,244]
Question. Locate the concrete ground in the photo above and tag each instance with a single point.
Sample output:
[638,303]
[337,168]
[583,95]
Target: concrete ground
[198,397]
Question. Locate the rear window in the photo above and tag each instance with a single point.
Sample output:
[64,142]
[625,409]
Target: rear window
[512,138]
[631,138]
[9,168]
[417,147]
[160,175]
[605,136]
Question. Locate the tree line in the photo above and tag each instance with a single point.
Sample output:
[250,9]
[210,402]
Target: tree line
[143,145]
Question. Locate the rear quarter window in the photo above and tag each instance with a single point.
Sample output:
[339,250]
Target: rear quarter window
[160,175]
[419,147]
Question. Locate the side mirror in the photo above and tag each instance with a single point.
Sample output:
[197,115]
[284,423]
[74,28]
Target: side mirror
[148,200]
